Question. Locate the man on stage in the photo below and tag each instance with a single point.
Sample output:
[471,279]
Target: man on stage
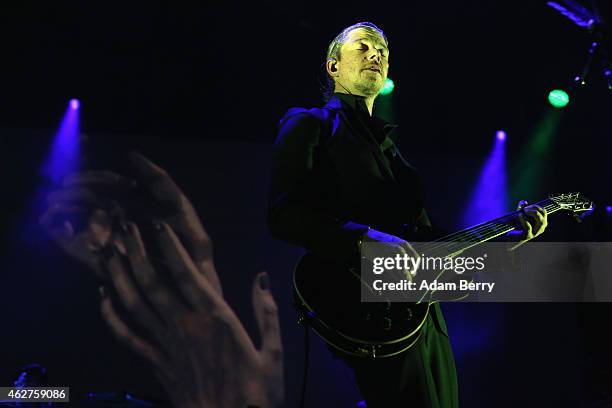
[339,180]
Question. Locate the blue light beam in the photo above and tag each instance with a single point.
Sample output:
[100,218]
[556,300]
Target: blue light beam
[490,196]
[64,153]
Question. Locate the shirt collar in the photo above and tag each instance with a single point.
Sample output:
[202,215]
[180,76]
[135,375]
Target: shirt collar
[357,103]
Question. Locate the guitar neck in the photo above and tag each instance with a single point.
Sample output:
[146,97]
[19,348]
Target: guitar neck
[457,242]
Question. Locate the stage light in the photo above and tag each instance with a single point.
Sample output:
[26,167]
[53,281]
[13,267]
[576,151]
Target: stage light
[530,165]
[558,98]
[609,209]
[489,196]
[387,87]
[63,157]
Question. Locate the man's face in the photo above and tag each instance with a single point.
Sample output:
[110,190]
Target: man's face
[363,64]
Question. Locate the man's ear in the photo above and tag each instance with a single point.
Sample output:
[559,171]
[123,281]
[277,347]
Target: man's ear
[330,66]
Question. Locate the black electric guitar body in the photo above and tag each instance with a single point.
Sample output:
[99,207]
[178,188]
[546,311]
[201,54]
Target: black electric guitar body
[328,294]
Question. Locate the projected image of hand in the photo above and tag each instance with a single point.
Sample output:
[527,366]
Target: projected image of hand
[161,294]
[199,348]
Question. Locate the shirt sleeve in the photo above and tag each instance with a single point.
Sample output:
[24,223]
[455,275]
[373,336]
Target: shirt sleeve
[293,216]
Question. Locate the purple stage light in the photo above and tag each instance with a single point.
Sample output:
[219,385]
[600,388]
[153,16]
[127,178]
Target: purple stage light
[63,156]
[609,209]
[489,197]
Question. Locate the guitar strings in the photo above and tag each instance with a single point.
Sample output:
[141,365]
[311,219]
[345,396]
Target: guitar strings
[472,237]
[475,234]
[472,231]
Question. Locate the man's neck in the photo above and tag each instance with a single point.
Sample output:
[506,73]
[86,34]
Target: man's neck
[369,100]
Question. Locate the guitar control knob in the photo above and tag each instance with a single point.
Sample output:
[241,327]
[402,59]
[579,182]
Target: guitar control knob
[387,323]
[407,314]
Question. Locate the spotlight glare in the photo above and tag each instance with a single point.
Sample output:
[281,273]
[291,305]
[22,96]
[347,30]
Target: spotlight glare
[500,135]
[558,98]
[387,87]
[63,156]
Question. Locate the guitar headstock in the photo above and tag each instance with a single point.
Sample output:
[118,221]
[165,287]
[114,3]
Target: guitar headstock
[574,202]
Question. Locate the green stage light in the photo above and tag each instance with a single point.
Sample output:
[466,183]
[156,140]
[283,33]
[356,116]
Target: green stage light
[387,87]
[558,98]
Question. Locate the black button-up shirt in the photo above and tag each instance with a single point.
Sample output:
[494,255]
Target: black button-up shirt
[336,171]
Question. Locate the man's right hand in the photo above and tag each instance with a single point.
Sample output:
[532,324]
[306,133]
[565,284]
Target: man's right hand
[391,246]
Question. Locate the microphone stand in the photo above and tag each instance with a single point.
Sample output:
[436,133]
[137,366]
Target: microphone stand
[597,51]
[591,19]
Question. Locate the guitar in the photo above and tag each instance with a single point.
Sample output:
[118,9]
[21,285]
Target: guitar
[328,295]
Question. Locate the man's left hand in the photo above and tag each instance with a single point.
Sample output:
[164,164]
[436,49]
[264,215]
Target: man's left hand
[534,221]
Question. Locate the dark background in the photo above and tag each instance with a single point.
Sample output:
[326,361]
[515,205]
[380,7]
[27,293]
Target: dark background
[200,88]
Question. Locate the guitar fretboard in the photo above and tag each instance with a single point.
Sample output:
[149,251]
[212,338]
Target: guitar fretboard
[470,237]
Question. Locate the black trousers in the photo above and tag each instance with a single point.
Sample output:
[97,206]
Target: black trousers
[423,376]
